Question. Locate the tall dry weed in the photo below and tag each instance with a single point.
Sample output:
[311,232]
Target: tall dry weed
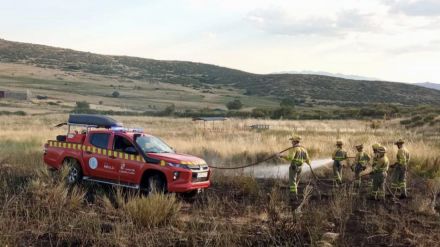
[155,210]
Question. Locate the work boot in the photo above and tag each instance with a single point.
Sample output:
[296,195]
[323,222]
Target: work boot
[403,195]
[293,197]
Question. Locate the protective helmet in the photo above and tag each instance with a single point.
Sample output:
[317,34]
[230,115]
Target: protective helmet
[360,146]
[375,146]
[339,142]
[295,138]
[381,149]
[400,141]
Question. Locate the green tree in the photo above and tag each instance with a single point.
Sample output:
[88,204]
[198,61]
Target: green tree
[234,105]
[169,110]
[282,112]
[287,102]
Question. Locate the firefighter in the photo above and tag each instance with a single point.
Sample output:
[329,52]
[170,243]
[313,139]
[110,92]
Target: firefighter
[360,164]
[375,146]
[338,156]
[379,174]
[297,156]
[400,168]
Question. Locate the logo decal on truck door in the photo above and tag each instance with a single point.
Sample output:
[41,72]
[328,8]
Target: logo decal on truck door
[93,163]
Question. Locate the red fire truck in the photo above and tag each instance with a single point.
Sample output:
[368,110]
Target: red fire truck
[103,151]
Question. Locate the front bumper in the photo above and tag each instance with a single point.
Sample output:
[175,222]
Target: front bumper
[187,187]
[189,180]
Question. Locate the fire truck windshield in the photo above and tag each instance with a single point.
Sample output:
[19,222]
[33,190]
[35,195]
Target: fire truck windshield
[151,144]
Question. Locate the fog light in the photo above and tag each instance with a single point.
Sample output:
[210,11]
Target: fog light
[175,175]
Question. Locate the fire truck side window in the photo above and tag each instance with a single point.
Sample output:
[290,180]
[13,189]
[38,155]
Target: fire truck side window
[121,144]
[100,140]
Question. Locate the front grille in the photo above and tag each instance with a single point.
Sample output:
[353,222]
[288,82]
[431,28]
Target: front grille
[195,179]
[197,168]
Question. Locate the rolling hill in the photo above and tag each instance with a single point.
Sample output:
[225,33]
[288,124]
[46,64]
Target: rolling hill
[429,85]
[317,89]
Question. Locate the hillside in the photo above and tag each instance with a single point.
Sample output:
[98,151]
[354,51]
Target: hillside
[429,85]
[311,88]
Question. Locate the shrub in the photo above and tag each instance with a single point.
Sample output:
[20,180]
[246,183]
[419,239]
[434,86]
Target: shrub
[234,105]
[155,210]
[116,94]
[282,112]
[287,102]
[82,105]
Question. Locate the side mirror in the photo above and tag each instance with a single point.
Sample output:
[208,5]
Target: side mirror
[130,150]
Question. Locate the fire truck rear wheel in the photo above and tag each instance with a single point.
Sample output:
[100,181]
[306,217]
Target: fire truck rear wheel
[74,174]
[155,184]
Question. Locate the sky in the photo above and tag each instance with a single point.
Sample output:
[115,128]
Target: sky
[395,40]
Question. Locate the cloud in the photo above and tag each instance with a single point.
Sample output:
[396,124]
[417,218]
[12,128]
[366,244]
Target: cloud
[430,47]
[278,21]
[415,7]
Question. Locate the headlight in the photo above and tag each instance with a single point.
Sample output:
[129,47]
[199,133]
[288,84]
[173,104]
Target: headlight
[179,166]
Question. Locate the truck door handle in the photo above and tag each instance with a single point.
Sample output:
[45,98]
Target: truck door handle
[88,152]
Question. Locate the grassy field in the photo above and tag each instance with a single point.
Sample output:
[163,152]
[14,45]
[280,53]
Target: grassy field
[36,208]
[135,95]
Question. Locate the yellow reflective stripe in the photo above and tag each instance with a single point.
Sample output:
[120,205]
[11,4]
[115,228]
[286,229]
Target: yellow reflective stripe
[126,156]
[121,155]
[99,151]
[138,158]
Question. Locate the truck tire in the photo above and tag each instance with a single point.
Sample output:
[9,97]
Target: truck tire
[74,174]
[155,184]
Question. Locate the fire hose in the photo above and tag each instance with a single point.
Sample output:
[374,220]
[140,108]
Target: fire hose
[266,159]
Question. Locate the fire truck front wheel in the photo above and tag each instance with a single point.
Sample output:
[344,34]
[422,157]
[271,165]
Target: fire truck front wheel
[154,183]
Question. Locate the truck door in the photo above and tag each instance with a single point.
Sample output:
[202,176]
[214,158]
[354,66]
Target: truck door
[125,157]
[95,155]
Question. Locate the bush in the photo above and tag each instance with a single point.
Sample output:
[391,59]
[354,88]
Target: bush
[282,112]
[234,105]
[260,113]
[154,210]
[288,102]
[168,111]
[17,113]
[116,94]
[82,105]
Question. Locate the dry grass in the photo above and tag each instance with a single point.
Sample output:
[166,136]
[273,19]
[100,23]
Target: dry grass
[153,211]
[36,208]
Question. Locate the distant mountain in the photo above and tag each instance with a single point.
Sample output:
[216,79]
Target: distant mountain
[310,88]
[429,85]
[349,77]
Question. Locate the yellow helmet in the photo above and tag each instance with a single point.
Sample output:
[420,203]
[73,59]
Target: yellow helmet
[381,149]
[295,138]
[339,142]
[375,146]
[360,146]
